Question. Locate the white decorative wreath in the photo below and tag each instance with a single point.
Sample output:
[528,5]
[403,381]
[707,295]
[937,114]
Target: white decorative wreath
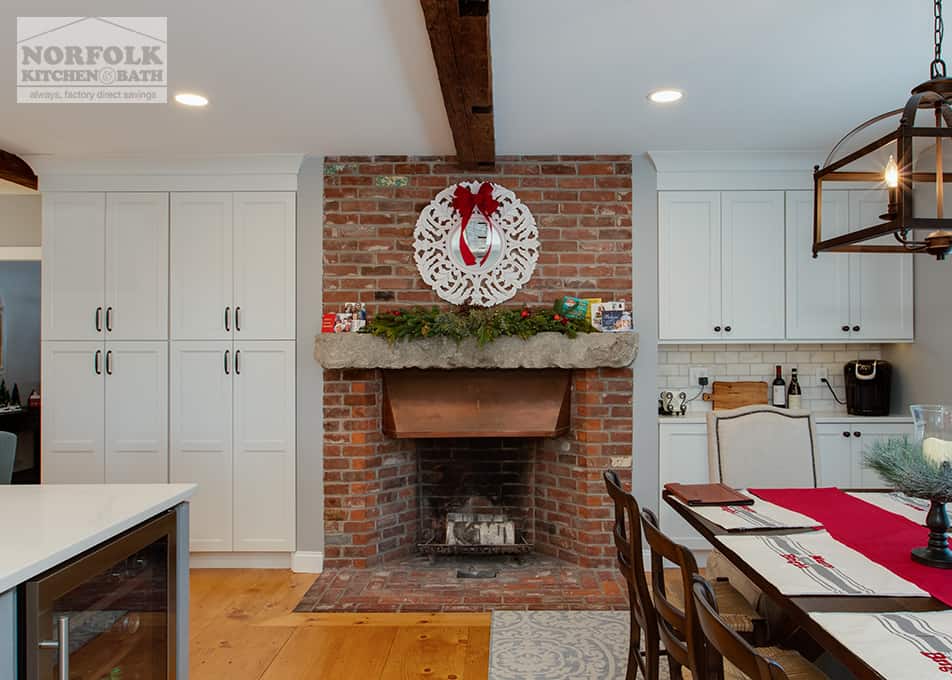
[476,243]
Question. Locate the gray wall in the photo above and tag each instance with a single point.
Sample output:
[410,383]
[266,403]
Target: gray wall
[20,297]
[645,306]
[310,381]
[921,370]
[20,220]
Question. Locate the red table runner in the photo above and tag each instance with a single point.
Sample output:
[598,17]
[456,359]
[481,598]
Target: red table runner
[882,536]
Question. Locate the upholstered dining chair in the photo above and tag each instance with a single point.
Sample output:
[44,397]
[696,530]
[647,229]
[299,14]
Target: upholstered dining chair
[8,452]
[631,563]
[759,446]
[676,618]
[762,446]
[731,657]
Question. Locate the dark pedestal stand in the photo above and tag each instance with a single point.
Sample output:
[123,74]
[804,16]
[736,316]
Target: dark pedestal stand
[937,553]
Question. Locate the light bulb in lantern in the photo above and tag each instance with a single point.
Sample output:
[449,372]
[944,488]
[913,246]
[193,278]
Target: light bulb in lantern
[891,174]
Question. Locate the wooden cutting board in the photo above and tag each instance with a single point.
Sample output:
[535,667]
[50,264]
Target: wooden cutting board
[727,395]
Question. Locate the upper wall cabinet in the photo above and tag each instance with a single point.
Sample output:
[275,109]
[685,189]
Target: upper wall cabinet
[865,297]
[232,266]
[721,265]
[105,266]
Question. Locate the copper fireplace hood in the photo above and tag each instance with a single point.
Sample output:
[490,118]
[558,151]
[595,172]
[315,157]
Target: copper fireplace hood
[476,403]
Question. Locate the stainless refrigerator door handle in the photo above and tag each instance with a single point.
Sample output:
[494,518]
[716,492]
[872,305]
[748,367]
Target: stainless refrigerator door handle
[61,645]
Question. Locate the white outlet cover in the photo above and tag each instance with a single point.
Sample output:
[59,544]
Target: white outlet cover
[822,373]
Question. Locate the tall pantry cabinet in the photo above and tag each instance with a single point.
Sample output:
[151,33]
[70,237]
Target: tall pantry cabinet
[168,352]
[232,375]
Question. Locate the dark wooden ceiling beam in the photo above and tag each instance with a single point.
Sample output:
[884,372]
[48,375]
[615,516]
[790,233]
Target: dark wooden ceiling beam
[15,169]
[459,38]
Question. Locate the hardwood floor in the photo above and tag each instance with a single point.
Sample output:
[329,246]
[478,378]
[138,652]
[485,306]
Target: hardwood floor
[243,628]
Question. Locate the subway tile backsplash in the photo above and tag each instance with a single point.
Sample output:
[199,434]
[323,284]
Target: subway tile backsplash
[757,361]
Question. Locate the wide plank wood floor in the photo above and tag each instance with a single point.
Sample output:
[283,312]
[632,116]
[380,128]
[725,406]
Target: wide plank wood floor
[243,628]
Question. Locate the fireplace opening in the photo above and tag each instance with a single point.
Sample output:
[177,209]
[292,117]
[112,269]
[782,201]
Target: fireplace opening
[476,497]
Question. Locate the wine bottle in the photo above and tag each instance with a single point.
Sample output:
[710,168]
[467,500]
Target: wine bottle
[778,395]
[794,395]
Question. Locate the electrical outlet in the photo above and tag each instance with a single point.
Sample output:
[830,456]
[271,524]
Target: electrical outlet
[822,374]
[697,372]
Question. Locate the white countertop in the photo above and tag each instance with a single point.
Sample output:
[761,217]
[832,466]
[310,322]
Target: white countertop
[46,524]
[821,418]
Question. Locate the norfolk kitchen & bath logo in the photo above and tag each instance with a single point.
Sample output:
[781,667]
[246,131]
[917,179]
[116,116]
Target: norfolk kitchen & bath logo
[92,60]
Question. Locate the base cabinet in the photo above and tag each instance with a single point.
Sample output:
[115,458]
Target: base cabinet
[232,424]
[683,449]
[842,449]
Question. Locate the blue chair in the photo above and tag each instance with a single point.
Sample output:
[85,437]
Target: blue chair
[8,451]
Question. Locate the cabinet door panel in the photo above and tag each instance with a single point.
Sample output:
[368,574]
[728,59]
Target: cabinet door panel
[683,459]
[818,289]
[137,266]
[863,477]
[264,265]
[752,250]
[201,448]
[73,425]
[264,446]
[835,458]
[201,266]
[73,264]
[881,285]
[137,379]
[689,265]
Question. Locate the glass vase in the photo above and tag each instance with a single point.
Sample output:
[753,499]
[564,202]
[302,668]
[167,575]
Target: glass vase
[933,424]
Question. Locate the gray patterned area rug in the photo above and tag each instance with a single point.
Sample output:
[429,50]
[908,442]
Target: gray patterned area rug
[558,645]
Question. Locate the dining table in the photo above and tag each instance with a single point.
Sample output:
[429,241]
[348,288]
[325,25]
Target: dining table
[798,608]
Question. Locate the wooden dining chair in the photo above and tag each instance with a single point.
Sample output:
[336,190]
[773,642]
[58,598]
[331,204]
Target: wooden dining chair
[730,656]
[676,620]
[644,621]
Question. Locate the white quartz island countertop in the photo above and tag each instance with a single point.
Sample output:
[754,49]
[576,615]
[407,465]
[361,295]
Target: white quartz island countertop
[44,525]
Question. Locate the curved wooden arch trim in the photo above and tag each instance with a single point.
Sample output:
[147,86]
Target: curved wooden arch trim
[15,169]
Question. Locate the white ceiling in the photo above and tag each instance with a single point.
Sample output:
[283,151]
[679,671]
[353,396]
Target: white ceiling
[357,76]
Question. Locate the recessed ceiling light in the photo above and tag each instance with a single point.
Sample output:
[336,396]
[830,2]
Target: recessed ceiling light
[191,99]
[665,96]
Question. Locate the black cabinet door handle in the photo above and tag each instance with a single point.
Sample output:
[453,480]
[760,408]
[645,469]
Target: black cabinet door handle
[99,319]
[227,370]
[237,319]
[109,319]
[109,362]
[97,362]
[856,329]
[857,434]
[845,329]
[227,318]
[727,328]
[717,329]
[846,434]
[237,362]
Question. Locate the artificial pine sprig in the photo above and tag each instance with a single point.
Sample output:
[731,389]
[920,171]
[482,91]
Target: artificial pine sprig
[470,322]
[901,462]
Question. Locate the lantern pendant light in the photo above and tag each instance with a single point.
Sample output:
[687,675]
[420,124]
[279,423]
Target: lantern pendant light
[907,168]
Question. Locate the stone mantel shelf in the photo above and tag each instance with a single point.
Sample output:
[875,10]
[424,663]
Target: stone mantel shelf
[545,350]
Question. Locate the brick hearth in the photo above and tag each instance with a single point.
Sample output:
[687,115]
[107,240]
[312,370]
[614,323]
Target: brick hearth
[582,205]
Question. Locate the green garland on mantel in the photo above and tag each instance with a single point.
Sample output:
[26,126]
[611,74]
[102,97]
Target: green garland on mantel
[469,322]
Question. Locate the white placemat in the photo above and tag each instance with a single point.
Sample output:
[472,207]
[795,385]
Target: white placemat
[759,516]
[900,645]
[914,509]
[815,563]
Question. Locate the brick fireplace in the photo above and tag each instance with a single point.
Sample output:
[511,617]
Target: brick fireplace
[381,492]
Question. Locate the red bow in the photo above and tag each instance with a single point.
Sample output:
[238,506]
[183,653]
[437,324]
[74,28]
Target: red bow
[466,201]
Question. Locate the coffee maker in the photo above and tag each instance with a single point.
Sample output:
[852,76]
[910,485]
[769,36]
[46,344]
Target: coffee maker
[867,387]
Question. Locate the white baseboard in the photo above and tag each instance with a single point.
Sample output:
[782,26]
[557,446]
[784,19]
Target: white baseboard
[307,561]
[240,560]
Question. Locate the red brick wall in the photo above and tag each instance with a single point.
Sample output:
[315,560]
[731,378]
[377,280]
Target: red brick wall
[582,206]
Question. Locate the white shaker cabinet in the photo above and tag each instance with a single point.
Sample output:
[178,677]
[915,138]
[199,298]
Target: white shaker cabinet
[137,266]
[201,288]
[818,288]
[73,422]
[683,459]
[233,434]
[74,257]
[689,265]
[233,265]
[842,448]
[105,266]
